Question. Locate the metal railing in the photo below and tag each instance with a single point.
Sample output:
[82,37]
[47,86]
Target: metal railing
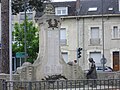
[110,84]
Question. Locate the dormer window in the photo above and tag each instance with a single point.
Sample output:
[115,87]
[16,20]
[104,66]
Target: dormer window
[61,11]
[110,9]
[92,9]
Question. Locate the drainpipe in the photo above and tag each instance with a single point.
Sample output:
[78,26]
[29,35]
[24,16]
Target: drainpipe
[78,39]
[83,38]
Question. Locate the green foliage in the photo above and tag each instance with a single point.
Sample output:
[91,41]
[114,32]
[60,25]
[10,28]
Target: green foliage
[32,40]
[18,5]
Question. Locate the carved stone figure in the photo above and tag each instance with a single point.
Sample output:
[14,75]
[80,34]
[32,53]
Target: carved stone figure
[49,9]
[92,74]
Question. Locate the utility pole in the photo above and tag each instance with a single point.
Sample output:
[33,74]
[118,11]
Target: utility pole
[78,39]
[10,39]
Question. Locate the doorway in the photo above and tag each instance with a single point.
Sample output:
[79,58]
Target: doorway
[116,61]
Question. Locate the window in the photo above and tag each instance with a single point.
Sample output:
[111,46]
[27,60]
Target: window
[65,56]
[110,8]
[116,32]
[61,11]
[96,57]
[92,9]
[94,40]
[12,17]
[63,40]
[13,37]
[28,14]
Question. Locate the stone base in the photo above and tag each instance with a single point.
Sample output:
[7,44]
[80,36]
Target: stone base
[37,71]
[4,76]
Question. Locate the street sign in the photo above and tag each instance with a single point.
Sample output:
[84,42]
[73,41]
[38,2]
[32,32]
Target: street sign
[20,55]
[103,60]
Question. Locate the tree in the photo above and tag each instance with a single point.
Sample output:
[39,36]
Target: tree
[18,5]
[4,62]
[32,40]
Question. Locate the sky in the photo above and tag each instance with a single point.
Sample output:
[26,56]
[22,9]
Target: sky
[62,0]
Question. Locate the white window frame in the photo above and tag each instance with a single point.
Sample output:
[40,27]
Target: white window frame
[110,9]
[96,58]
[13,37]
[63,38]
[61,11]
[95,40]
[97,28]
[65,57]
[115,32]
[92,9]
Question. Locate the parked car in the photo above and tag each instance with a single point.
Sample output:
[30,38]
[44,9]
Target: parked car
[100,69]
[107,68]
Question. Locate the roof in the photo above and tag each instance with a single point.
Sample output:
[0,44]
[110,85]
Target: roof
[109,7]
[70,4]
[88,7]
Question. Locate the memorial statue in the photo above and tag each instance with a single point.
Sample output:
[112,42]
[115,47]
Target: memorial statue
[92,74]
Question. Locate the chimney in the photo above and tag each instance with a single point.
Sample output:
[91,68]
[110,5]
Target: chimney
[77,6]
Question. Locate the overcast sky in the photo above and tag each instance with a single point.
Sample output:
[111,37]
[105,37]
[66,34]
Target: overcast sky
[62,0]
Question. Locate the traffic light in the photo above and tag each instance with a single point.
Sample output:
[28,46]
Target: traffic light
[79,52]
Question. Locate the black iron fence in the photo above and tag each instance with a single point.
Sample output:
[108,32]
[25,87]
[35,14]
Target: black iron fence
[110,84]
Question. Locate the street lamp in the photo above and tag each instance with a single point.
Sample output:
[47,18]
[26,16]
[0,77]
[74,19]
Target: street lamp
[10,44]
[10,40]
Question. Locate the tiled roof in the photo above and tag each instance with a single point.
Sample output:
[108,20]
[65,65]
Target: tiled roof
[107,4]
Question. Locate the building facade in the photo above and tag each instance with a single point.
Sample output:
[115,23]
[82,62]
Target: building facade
[94,27]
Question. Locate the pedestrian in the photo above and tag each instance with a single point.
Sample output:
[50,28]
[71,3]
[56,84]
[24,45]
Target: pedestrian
[92,74]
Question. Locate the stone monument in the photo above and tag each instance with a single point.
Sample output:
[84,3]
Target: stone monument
[50,61]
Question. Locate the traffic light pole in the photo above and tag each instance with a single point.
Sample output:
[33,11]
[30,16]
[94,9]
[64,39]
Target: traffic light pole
[78,34]
[79,52]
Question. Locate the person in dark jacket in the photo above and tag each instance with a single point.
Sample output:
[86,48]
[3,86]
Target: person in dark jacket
[92,74]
